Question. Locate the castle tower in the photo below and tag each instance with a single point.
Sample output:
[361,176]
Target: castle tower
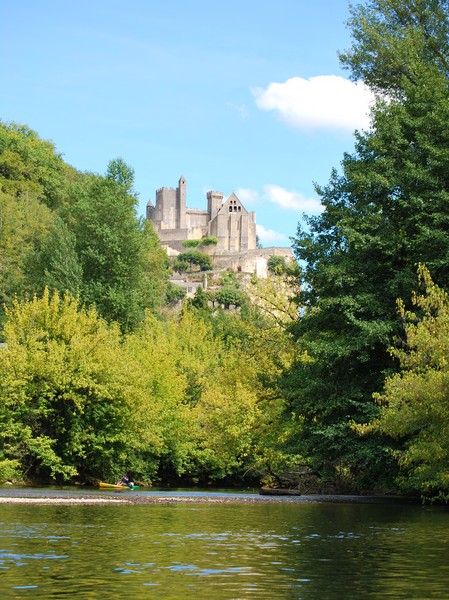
[181,194]
[151,209]
[214,202]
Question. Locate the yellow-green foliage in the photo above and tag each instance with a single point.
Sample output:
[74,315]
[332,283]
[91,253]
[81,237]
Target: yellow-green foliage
[81,400]
[415,401]
[24,223]
[162,388]
[67,395]
[241,410]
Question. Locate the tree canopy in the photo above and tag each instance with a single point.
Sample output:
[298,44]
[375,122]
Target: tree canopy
[385,212]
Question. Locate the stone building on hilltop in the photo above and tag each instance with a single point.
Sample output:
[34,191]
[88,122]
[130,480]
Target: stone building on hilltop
[226,220]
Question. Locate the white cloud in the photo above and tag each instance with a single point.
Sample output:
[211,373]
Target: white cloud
[247,196]
[323,102]
[268,236]
[285,199]
[291,200]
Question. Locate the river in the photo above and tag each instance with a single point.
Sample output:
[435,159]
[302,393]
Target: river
[305,550]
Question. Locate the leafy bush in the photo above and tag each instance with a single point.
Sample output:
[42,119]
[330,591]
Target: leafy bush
[276,265]
[174,293]
[187,260]
[231,296]
[209,240]
[191,243]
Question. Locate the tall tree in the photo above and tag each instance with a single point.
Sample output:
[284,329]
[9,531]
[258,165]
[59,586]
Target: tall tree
[122,174]
[392,38]
[119,255]
[24,224]
[386,212]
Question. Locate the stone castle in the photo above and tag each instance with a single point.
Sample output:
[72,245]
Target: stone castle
[226,220]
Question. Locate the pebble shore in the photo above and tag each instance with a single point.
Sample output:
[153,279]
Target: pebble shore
[137,499]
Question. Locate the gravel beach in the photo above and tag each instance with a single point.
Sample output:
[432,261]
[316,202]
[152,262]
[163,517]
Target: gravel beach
[137,499]
[92,497]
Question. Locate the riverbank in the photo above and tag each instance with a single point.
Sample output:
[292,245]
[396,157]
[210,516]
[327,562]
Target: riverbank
[75,497]
[137,499]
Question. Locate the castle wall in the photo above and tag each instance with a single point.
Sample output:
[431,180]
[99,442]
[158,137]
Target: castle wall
[244,229]
[197,218]
[169,235]
[221,231]
[250,261]
[252,240]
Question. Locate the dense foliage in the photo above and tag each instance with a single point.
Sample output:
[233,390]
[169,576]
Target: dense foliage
[386,212]
[414,402]
[75,231]
[80,401]
[314,376]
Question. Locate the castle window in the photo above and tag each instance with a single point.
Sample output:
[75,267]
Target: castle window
[239,208]
[235,209]
[230,209]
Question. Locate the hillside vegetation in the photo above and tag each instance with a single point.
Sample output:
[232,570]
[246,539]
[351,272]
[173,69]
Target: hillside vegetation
[329,377]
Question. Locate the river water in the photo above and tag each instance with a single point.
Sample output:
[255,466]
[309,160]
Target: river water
[305,550]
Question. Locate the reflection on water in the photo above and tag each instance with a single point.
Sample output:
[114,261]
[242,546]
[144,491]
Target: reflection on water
[287,551]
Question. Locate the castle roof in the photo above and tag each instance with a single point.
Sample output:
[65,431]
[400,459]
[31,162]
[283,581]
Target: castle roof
[232,205]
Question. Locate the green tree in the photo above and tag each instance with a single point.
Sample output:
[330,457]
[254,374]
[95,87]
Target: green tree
[414,403]
[186,260]
[168,431]
[241,398]
[33,182]
[124,267]
[122,174]
[276,297]
[29,165]
[394,39]
[209,240]
[231,296]
[386,212]
[69,405]
[157,289]
[277,265]
[174,293]
[24,224]
[55,264]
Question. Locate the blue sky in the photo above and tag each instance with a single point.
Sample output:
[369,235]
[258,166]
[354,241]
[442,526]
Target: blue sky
[240,96]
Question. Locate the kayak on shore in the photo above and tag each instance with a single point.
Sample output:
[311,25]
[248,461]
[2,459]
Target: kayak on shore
[115,486]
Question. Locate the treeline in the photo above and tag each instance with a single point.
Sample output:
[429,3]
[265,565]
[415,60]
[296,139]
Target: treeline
[83,401]
[385,213]
[75,232]
[332,377]
[97,374]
